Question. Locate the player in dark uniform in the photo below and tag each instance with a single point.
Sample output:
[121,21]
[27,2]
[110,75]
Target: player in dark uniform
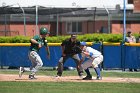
[36,43]
[69,50]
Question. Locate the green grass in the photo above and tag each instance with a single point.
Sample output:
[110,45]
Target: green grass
[68,87]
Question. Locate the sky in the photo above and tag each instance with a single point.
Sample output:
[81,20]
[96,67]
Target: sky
[63,3]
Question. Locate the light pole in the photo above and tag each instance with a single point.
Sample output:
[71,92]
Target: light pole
[24,18]
[124,20]
[36,19]
[108,18]
[5,21]
[57,26]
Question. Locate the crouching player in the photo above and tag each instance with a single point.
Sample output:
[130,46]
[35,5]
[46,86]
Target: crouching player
[94,59]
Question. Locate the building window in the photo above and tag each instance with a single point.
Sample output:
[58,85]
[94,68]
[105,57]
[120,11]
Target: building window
[73,27]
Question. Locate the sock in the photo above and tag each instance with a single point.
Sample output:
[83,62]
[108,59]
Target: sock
[97,70]
[87,72]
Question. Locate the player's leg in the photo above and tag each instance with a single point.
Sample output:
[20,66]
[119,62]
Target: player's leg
[78,65]
[98,72]
[22,70]
[36,63]
[61,62]
[95,64]
[85,66]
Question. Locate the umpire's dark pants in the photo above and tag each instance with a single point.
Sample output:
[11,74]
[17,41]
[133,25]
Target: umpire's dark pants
[63,60]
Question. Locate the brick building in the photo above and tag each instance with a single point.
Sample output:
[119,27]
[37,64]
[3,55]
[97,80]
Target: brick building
[93,20]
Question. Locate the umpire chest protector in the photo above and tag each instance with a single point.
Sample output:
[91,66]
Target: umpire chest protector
[70,46]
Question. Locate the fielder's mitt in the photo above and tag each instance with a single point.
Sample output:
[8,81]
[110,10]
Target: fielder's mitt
[77,50]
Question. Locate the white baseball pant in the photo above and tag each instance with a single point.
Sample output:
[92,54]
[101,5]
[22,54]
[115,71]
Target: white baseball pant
[36,61]
[93,62]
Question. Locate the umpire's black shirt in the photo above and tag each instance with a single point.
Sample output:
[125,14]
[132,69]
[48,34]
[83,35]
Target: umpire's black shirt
[69,46]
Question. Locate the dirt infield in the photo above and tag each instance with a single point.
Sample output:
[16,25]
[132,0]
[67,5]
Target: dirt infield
[10,77]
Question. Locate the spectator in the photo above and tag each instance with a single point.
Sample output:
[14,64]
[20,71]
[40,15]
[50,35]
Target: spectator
[130,39]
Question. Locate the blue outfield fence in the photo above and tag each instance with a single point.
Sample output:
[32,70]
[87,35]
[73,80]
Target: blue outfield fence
[115,55]
[132,57]
[112,56]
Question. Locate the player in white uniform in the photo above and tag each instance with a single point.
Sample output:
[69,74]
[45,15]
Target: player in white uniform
[94,59]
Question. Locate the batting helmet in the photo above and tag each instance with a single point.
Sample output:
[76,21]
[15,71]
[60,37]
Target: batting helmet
[83,43]
[44,31]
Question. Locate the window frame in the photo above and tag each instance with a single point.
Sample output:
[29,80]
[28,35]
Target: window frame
[69,27]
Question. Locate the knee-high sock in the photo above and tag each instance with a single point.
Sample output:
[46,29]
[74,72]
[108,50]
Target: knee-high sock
[87,72]
[97,70]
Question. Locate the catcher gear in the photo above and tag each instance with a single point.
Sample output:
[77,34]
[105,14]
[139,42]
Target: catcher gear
[44,31]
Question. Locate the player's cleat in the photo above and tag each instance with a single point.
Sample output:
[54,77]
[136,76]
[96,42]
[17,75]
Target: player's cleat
[21,71]
[32,77]
[80,74]
[88,78]
[99,78]
[57,76]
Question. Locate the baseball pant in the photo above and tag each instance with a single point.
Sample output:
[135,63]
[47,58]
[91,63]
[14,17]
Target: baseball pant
[63,60]
[92,62]
[36,61]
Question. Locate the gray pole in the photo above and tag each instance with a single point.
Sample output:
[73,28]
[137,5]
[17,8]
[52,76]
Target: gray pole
[24,19]
[108,18]
[109,23]
[5,22]
[57,25]
[36,19]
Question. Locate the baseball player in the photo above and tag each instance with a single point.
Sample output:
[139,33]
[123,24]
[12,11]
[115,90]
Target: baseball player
[36,43]
[94,59]
[69,50]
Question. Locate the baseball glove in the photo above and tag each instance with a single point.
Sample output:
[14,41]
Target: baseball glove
[77,50]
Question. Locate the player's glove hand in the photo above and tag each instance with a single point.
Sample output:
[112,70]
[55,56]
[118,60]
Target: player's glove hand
[77,49]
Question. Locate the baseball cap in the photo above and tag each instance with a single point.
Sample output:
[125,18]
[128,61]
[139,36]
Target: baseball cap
[73,36]
[129,32]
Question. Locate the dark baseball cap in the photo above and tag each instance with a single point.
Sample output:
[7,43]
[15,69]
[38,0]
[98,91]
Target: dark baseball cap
[129,32]
[73,36]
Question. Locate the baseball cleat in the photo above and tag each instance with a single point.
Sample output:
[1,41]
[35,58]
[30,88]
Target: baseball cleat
[32,77]
[21,71]
[88,78]
[80,74]
[99,78]
[57,76]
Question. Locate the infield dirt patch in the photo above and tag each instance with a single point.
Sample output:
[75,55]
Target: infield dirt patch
[10,77]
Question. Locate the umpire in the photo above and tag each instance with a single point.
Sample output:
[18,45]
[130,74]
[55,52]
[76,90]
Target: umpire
[70,49]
